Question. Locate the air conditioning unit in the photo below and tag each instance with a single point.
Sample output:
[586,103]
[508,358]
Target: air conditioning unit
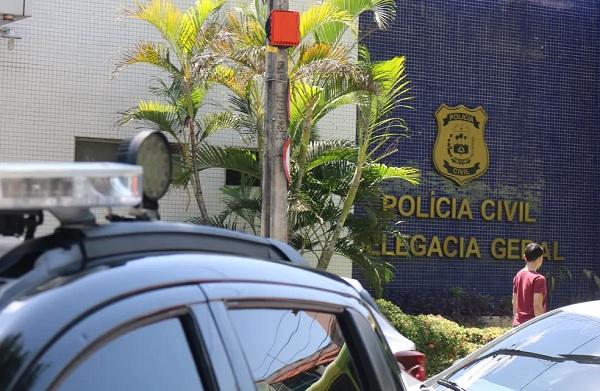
[13,10]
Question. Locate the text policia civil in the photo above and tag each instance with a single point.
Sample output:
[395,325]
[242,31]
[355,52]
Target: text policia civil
[449,208]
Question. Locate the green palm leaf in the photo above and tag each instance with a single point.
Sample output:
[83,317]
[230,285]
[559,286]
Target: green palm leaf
[193,20]
[377,272]
[163,15]
[156,115]
[324,23]
[384,11]
[321,153]
[237,159]
[210,123]
[383,172]
[152,53]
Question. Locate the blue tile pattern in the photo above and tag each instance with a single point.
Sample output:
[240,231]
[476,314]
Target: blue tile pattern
[533,65]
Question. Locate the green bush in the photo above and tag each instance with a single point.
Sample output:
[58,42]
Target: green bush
[441,340]
[481,336]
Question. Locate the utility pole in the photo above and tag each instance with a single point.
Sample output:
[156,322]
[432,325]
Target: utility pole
[274,221]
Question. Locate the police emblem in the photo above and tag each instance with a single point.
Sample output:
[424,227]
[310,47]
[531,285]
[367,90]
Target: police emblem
[460,152]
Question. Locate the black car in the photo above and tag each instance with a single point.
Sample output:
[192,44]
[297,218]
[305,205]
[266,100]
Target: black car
[147,305]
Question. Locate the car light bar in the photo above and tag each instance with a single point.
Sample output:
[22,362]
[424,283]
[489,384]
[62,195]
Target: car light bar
[68,185]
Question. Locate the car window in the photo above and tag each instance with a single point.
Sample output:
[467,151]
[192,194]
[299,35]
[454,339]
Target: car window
[295,350]
[550,340]
[152,357]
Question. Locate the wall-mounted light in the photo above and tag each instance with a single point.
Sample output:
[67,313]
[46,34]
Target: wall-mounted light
[10,34]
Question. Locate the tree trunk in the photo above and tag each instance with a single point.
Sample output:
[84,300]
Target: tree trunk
[197,187]
[329,248]
[303,149]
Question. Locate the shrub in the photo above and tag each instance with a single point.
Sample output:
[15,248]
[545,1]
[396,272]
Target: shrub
[481,336]
[455,304]
[441,340]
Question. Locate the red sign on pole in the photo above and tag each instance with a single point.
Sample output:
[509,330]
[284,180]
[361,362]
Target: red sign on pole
[284,28]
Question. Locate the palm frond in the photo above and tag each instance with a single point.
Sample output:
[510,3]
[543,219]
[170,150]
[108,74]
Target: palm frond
[333,99]
[152,53]
[327,153]
[332,177]
[212,122]
[216,221]
[243,202]
[324,69]
[384,11]
[303,97]
[165,16]
[324,23]
[389,76]
[193,20]
[313,209]
[156,115]
[377,272]
[237,159]
[228,77]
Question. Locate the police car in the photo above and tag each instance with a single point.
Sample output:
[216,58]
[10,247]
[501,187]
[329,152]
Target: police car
[139,304]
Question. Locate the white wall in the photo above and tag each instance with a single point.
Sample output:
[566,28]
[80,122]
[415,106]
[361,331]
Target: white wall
[56,84]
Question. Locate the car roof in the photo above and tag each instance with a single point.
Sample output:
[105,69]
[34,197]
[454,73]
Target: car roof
[38,315]
[56,278]
[129,238]
[589,308]
[64,296]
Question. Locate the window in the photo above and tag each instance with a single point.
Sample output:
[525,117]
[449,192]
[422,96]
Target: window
[295,349]
[153,357]
[96,149]
[234,178]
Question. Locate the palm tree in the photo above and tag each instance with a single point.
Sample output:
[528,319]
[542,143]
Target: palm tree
[328,177]
[183,58]
[384,93]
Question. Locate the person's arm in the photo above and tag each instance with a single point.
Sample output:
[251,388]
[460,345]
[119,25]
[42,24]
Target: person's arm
[514,303]
[538,304]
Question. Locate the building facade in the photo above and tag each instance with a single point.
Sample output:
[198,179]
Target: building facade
[504,128]
[60,100]
[505,131]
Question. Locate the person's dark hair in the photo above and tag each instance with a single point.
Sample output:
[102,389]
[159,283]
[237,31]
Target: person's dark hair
[533,251]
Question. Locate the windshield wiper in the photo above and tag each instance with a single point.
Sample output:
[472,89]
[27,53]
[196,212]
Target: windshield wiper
[450,384]
[515,352]
[581,358]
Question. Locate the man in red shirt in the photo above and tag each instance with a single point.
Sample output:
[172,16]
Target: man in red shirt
[529,287]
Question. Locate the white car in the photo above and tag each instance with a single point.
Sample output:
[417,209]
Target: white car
[411,361]
[559,350]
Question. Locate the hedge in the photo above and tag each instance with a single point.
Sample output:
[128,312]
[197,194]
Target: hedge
[441,340]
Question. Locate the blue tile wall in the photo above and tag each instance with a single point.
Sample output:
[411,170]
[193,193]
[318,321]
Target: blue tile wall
[533,66]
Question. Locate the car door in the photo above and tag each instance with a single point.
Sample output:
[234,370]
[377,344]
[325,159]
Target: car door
[282,337]
[155,340]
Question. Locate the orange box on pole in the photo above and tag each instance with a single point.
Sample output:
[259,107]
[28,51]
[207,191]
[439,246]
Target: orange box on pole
[284,28]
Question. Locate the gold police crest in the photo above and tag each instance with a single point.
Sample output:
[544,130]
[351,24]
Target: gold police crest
[460,152]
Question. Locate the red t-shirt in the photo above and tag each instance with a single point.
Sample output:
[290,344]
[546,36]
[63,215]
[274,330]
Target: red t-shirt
[525,284]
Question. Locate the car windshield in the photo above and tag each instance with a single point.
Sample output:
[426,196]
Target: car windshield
[559,352]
